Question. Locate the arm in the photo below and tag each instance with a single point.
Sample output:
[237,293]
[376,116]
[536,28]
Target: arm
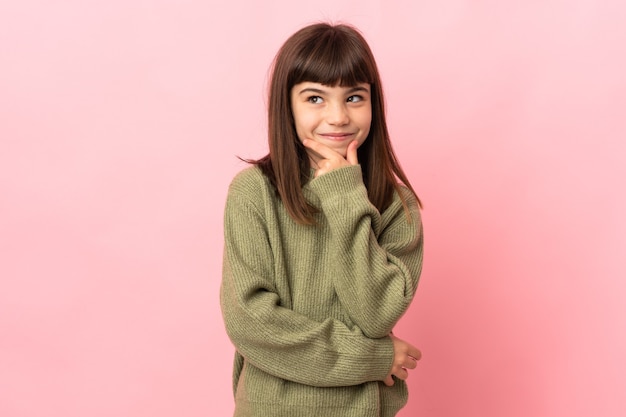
[378,258]
[273,338]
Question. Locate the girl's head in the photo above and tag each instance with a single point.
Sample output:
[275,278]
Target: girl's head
[332,56]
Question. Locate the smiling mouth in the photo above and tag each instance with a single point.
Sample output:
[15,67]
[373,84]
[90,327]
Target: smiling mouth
[337,136]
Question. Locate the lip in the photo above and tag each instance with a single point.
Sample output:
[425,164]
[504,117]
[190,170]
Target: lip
[338,136]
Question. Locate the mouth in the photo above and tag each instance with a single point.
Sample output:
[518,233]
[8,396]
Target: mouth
[337,136]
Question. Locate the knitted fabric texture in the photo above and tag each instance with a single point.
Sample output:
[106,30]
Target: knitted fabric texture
[310,308]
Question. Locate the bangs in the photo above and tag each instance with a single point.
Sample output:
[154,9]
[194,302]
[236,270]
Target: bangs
[333,58]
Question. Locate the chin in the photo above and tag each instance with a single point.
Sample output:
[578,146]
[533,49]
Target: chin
[343,151]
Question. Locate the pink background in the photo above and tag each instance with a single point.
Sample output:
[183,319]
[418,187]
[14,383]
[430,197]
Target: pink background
[119,126]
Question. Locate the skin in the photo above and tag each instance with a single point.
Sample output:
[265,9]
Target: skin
[405,357]
[332,122]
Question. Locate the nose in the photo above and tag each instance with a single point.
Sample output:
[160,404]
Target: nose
[337,114]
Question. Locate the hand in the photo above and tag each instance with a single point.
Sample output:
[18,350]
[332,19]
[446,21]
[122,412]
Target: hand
[405,356]
[328,159]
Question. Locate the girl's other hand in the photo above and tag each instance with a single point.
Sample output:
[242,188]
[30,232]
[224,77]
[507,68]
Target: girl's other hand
[405,356]
[325,159]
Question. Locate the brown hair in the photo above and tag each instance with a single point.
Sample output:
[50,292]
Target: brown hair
[330,55]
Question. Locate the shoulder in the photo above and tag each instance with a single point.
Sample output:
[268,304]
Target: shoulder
[403,205]
[249,180]
[251,188]
[403,193]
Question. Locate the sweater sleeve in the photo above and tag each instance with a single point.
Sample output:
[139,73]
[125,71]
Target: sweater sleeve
[276,339]
[378,257]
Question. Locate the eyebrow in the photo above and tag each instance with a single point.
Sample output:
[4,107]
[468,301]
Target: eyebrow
[356,89]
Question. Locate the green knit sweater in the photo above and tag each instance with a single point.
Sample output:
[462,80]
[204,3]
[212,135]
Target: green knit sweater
[310,308]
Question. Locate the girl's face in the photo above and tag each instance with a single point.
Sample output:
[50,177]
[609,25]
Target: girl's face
[332,116]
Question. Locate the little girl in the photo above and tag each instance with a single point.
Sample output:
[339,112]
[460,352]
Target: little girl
[323,245]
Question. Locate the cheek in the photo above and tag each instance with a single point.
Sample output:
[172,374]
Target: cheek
[305,122]
[365,122]
[303,129]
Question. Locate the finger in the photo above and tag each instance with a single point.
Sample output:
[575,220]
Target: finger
[389,381]
[351,155]
[402,374]
[410,363]
[415,353]
[324,166]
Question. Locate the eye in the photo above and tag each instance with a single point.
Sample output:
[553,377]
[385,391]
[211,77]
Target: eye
[355,99]
[314,99]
